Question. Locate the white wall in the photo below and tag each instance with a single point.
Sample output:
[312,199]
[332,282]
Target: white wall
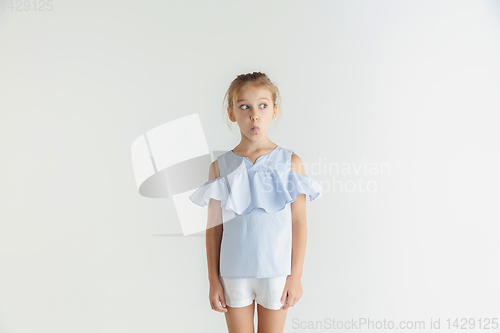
[410,84]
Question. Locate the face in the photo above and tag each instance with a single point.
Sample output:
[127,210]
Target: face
[253,111]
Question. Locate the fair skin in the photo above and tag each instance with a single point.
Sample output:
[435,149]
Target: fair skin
[253,107]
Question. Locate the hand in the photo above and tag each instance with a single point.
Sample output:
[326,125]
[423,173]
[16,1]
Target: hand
[292,292]
[216,296]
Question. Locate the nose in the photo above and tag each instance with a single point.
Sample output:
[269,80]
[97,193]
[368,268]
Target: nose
[254,116]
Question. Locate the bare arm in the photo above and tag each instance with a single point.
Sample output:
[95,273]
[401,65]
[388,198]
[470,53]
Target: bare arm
[293,288]
[214,230]
[299,225]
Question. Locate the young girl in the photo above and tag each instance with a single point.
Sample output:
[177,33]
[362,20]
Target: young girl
[256,230]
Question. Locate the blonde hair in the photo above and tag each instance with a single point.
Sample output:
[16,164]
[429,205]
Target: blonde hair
[241,82]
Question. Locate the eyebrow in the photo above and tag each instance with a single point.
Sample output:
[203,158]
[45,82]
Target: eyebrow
[242,100]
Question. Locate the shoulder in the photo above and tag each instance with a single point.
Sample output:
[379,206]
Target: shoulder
[213,171]
[294,160]
[296,164]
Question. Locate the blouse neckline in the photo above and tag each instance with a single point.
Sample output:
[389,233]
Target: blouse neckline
[275,148]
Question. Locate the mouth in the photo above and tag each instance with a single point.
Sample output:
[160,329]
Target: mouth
[255,130]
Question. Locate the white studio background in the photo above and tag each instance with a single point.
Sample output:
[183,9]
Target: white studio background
[408,89]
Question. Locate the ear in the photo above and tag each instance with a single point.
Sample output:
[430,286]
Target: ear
[230,115]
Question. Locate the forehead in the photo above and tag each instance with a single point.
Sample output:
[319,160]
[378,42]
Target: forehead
[253,93]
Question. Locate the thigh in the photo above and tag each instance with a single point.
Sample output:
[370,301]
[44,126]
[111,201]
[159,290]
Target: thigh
[270,321]
[240,320]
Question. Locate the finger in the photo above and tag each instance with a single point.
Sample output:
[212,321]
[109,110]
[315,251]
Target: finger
[223,301]
[285,306]
[292,300]
[214,305]
[218,306]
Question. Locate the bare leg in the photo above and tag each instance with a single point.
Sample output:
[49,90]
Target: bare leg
[240,320]
[270,321]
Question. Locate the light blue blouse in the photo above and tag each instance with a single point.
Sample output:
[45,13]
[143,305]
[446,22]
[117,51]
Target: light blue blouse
[257,222]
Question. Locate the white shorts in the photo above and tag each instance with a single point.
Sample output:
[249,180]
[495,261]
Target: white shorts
[267,292]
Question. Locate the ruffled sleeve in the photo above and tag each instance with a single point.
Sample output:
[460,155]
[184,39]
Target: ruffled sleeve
[267,189]
[212,189]
[300,184]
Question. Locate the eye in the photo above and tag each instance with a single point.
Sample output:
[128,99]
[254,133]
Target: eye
[245,107]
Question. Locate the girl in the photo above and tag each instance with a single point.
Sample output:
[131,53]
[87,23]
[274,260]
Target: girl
[256,229]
